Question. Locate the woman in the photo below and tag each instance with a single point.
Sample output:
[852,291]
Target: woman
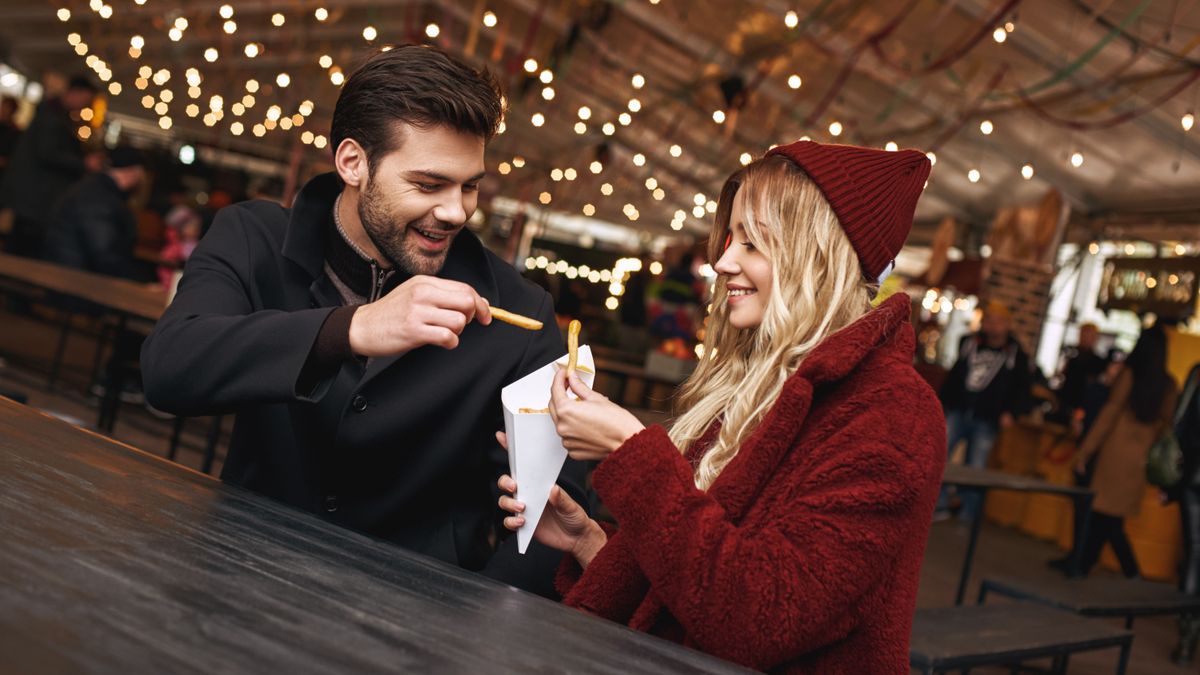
[781,522]
[1140,405]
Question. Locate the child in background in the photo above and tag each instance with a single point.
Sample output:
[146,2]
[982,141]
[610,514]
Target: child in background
[183,234]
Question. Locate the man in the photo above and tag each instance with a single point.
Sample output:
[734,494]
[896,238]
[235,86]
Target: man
[1083,367]
[352,335]
[47,160]
[93,228]
[984,391]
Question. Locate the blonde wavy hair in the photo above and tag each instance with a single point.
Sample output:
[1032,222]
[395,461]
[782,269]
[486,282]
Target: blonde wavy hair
[817,288]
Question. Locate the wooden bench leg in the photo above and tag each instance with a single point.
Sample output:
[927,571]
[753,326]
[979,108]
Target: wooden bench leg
[1123,661]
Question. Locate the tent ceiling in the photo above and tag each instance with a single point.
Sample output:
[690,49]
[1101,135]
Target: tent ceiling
[921,73]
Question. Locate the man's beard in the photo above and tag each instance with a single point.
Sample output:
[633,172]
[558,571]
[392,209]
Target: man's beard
[393,242]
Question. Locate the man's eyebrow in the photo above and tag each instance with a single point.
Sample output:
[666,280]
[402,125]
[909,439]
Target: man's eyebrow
[433,175]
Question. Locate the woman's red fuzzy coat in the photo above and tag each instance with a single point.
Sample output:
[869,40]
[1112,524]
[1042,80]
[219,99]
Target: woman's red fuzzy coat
[804,556]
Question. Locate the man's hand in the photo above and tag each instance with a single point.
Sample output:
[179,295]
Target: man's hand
[421,311]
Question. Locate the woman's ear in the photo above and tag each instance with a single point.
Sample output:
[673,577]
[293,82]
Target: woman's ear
[350,161]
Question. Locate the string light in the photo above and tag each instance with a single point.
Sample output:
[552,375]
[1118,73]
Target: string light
[638,81]
[114,88]
[538,119]
[973,175]
[489,19]
[226,12]
[596,167]
[589,210]
[518,161]
[252,86]
[580,128]
[1077,159]
[325,61]
[745,158]
[556,175]
[369,33]
[676,150]
[545,198]
[625,119]
[1000,35]
[531,66]
[548,93]
[986,127]
[585,113]
[74,39]
[210,55]
[606,189]
[1187,121]
[609,129]
[192,110]
[932,158]
[320,141]
[432,30]
[230,28]
[306,108]
[283,80]
[835,128]
[570,174]
[791,19]
[718,116]
[252,50]
[321,13]
[336,77]
[639,159]
[794,82]
[278,19]
[1027,171]
[891,146]
[64,14]
[546,77]
[634,105]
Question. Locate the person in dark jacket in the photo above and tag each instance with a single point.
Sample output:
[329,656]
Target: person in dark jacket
[1187,493]
[984,392]
[352,334]
[1083,367]
[93,227]
[48,159]
[10,133]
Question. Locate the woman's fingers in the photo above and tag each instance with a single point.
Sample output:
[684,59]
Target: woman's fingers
[514,522]
[507,483]
[511,505]
[502,439]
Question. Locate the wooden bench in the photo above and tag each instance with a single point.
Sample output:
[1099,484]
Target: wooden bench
[951,638]
[1096,596]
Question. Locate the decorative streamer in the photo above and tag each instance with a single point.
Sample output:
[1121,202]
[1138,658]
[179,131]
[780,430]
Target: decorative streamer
[1117,119]
[852,59]
[949,133]
[954,54]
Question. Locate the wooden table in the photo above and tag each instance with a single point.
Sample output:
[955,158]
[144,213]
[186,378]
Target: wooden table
[118,297]
[949,638]
[982,480]
[1096,596]
[114,560]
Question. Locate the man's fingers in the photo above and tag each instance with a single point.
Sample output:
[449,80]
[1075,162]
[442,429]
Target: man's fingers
[483,310]
[446,318]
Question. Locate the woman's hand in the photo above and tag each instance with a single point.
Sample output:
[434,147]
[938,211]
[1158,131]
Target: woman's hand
[591,426]
[564,525]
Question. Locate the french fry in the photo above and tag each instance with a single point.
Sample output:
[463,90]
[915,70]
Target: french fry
[533,411]
[516,319]
[572,346]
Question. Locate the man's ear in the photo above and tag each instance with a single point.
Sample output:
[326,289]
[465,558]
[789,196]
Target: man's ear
[350,161]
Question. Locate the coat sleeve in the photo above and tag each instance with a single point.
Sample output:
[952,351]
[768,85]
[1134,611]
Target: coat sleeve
[766,595]
[212,351]
[622,587]
[1106,421]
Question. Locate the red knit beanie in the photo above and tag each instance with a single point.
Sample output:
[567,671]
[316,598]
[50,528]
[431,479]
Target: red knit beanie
[873,192]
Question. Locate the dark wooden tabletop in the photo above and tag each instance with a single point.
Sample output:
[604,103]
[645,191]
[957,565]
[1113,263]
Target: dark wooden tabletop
[976,635]
[967,476]
[113,560]
[138,300]
[1097,595]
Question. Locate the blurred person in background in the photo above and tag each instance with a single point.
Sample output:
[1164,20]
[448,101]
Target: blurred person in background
[183,231]
[47,161]
[1082,367]
[1140,405]
[985,391]
[10,133]
[94,228]
[1187,493]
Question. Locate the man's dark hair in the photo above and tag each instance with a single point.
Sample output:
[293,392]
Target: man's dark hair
[82,82]
[419,85]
